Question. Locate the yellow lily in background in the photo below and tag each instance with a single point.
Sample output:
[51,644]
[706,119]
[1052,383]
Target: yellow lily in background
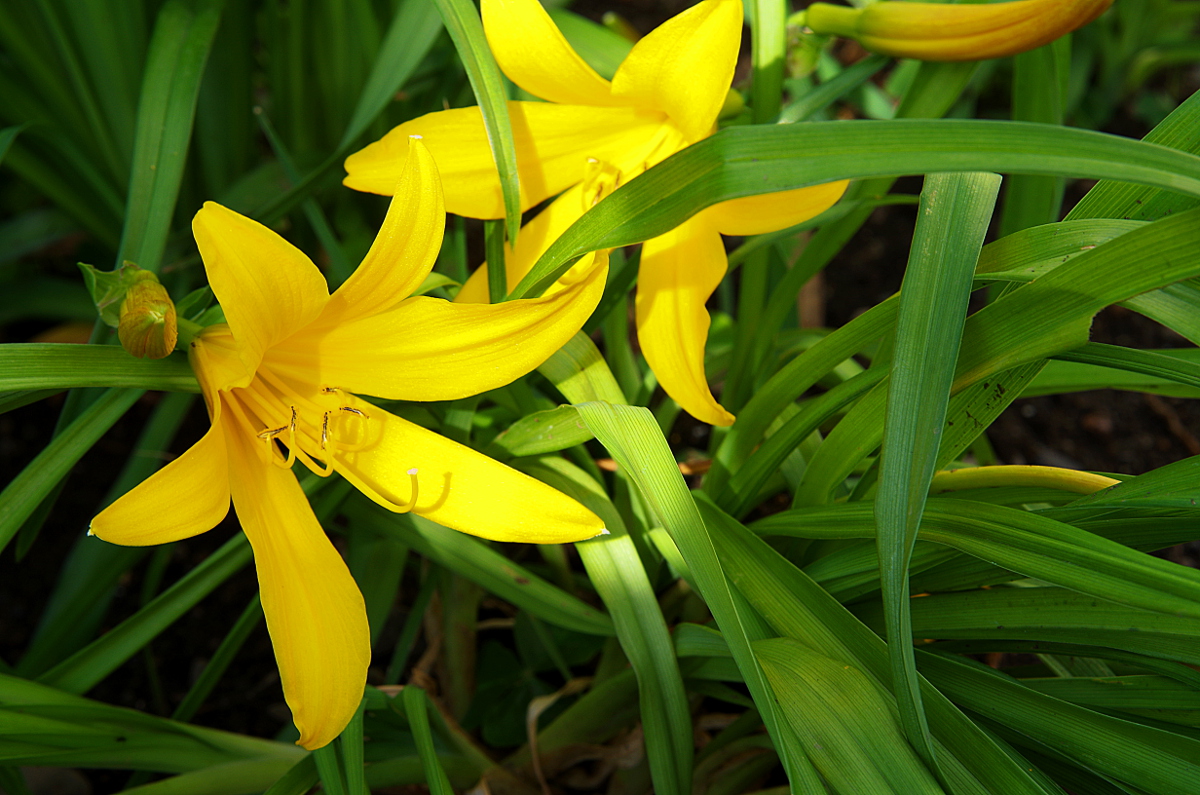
[592,135]
[279,379]
[939,32]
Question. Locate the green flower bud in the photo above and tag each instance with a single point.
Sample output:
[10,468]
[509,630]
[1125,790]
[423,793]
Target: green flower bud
[147,327]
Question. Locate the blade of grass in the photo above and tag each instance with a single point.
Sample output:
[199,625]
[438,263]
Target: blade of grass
[24,493]
[41,365]
[750,160]
[466,31]
[952,219]
[86,668]
[179,48]
[416,707]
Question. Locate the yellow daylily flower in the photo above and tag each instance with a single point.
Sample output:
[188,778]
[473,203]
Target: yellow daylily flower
[592,135]
[280,378]
[940,32]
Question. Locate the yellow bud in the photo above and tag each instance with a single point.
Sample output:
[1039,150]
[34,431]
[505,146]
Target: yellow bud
[938,32]
[147,328]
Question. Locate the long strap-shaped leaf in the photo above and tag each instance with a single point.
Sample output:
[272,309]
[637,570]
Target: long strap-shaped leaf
[179,50]
[466,30]
[50,365]
[952,220]
[797,607]
[22,495]
[744,161]
[634,439]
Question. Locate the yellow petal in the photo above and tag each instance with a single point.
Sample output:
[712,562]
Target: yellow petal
[456,486]
[405,248]
[531,50]
[536,236]
[216,359]
[769,212]
[685,65]
[186,497]
[266,286]
[313,607]
[677,274]
[553,144]
[431,349]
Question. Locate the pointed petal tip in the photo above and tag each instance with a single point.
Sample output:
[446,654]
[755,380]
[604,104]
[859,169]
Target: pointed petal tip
[604,531]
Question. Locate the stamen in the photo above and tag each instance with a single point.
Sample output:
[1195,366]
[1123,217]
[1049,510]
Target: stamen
[321,469]
[325,428]
[272,432]
[291,443]
[330,390]
[351,410]
[412,500]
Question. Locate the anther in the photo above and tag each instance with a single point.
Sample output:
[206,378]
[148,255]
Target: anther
[330,390]
[352,410]
[325,428]
[271,433]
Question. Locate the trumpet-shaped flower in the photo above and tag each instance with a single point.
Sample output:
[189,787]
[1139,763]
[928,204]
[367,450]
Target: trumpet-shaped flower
[280,379]
[592,135]
[942,32]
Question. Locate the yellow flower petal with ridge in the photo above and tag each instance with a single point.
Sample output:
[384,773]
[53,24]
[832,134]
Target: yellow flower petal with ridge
[313,607]
[677,274]
[770,212]
[267,287]
[431,349]
[405,248]
[456,486]
[553,144]
[532,51]
[684,66]
[187,497]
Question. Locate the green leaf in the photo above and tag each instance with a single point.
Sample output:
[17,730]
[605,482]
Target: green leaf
[1146,758]
[23,494]
[42,365]
[847,722]
[1024,542]
[952,219]
[86,668]
[7,136]
[768,39]
[796,607]
[616,571]
[1052,614]
[416,707]
[412,33]
[474,560]
[1116,199]
[1039,88]
[544,432]
[633,438]
[466,30]
[183,36]
[750,160]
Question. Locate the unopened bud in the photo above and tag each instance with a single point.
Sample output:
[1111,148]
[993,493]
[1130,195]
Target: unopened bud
[147,328]
[942,32]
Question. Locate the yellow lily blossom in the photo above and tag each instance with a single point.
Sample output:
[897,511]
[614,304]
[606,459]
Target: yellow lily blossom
[592,135]
[939,32]
[279,379]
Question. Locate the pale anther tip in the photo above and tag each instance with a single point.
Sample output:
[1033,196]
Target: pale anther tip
[417,137]
[412,471]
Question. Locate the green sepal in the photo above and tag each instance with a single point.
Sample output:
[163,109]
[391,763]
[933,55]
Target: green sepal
[108,288]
